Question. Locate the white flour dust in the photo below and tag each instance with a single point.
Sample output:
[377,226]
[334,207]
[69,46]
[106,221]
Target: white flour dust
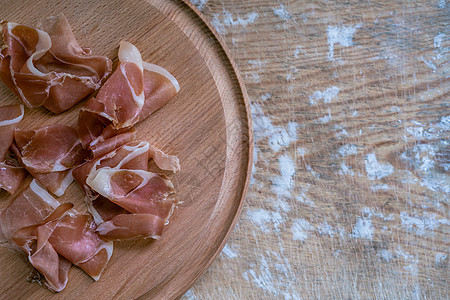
[300,230]
[226,19]
[281,12]
[376,170]
[283,184]
[265,220]
[342,35]
[326,96]
[363,228]
[422,224]
[325,119]
[347,150]
[229,252]
[278,137]
[199,3]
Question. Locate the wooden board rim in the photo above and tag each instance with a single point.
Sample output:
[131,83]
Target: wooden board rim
[249,167]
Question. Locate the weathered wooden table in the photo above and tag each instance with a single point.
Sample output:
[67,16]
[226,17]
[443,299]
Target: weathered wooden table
[350,188]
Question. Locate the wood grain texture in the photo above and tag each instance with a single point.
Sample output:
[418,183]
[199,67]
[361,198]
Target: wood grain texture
[350,186]
[206,125]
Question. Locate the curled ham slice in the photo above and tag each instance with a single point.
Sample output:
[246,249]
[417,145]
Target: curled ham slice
[10,116]
[135,90]
[11,174]
[49,153]
[48,67]
[27,210]
[75,239]
[127,226]
[51,148]
[54,236]
[137,191]
[126,200]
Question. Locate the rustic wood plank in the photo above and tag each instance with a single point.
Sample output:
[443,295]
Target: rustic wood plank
[350,187]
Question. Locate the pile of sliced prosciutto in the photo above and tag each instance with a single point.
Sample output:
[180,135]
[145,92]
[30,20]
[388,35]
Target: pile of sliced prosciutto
[47,67]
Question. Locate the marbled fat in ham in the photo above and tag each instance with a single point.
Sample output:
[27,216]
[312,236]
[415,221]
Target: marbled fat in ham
[48,67]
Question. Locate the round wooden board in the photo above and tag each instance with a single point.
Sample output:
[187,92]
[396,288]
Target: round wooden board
[207,125]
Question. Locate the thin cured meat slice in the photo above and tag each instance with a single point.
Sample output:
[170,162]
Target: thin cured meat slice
[51,234]
[48,67]
[11,173]
[34,241]
[103,147]
[55,182]
[28,209]
[132,226]
[11,177]
[10,116]
[75,239]
[159,88]
[126,200]
[137,191]
[51,148]
[133,155]
[135,90]
[49,154]
[148,197]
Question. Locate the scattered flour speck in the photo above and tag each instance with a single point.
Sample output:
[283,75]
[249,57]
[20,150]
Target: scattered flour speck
[327,95]
[342,35]
[221,21]
[281,12]
[283,137]
[440,258]
[199,3]
[385,255]
[379,187]
[376,170]
[229,252]
[266,96]
[278,136]
[300,229]
[421,224]
[347,150]
[263,219]
[363,228]
[325,119]
[283,184]
[346,170]
[326,229]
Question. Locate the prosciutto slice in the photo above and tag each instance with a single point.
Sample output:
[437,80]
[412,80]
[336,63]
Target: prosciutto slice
[11,174]
[49,153]
[50,148]
[48,67]
[53,236]
[29,209]
[126,200]
[135,90]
